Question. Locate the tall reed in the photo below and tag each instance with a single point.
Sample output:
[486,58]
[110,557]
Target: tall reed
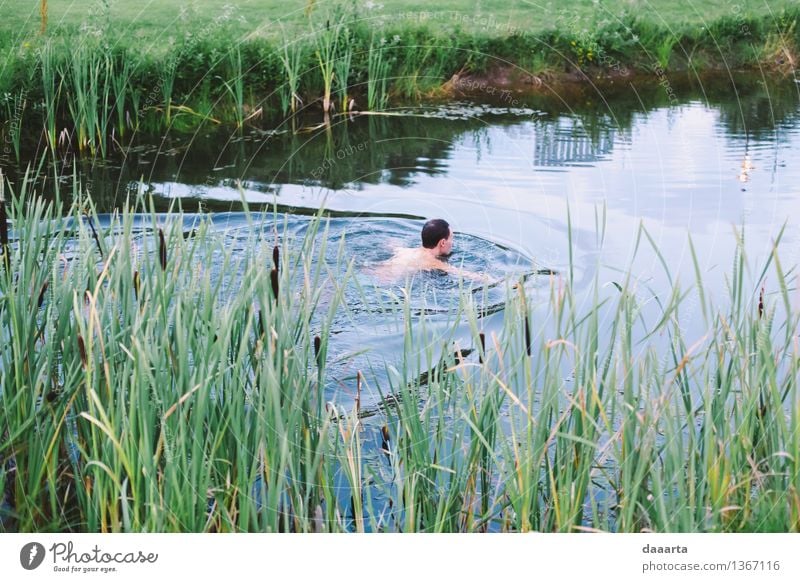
[51,92]
[377,75]
[326,40]
[235,84]
[342,67]
[292,56]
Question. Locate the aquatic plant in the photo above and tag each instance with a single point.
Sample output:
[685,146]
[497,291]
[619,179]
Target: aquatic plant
[87,76]
[342,67]
[292,57]
[235,84]
[51,92]
[326,39]
[120,77]
[377,75]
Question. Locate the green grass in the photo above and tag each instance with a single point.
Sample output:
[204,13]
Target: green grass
[139,393]
[152,19]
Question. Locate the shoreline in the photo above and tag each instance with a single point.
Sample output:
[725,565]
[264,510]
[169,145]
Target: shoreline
[84,95]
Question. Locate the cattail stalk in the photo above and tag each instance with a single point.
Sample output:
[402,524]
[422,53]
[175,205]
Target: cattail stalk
[358,392]
[95,237]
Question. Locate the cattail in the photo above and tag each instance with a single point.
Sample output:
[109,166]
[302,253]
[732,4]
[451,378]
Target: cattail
[276,257]
[260,324]
[318,350]
[761,302]
[385,439]
[482,337]
[273,275]
[95,237]
[82,351]
[358,392]
[136,285]
[526,317]
[162,250]
[527,334]
[42,292]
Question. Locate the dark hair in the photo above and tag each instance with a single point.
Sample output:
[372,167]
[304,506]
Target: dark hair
[434,230]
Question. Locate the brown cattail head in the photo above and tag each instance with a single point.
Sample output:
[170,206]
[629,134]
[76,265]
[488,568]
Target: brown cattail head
[385,439]
[162,249]
[42,293]
[482,337]
[276,257]
[273,275]
[260,324]
[82,351]
[527,334]
[136,285]
[317,347]
[761,302]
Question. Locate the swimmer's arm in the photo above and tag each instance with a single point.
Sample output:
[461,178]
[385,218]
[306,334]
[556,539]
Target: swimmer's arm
[467,274]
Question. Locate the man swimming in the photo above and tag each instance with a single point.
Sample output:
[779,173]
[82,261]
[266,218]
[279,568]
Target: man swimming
[437,242]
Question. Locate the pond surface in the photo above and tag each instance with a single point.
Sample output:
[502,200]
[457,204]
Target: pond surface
[720,156]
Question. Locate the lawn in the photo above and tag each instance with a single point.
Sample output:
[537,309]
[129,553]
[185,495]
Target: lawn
[149,19]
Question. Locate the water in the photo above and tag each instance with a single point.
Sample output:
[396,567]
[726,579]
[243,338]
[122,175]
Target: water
[720,157]
[510,180]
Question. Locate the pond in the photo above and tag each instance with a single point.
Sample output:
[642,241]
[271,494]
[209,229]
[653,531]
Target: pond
[526,173]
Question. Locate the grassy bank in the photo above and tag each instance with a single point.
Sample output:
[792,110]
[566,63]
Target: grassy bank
[89,86]
[143,392]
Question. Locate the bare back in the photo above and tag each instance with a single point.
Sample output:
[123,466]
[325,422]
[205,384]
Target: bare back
[406,262]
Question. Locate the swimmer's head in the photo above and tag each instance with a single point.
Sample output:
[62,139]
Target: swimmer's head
[437,236]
